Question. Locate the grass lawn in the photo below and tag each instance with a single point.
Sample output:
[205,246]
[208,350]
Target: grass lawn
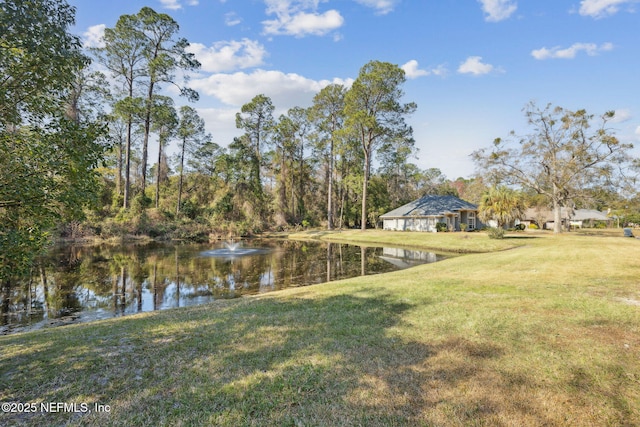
[442,242]
[547,333]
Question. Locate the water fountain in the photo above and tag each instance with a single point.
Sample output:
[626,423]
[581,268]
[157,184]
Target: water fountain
[232,246]
[232,249]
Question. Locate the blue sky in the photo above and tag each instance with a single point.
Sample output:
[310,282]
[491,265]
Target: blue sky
[471,65]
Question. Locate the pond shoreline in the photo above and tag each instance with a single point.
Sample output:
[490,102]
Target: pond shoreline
[144,239]
[84,281]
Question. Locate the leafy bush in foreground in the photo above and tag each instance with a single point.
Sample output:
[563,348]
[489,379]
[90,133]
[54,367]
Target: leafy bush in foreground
[495,233]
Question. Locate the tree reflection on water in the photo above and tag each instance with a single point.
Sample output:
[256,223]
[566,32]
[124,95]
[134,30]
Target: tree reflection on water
[82,283]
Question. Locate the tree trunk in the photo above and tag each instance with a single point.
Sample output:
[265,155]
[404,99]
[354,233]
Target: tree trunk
[145,141]
[330,190]
[127,159]
[301,209]
[184,144]
[557,217]
[119,168]
[343,200]
[258,154]
[365,182]
[5,304]
[127,165]
[158,172]
[282,191]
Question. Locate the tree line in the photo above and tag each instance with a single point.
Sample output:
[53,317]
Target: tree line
[340,162]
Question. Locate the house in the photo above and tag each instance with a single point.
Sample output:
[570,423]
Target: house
[423,214]
[544,218]
[587,217]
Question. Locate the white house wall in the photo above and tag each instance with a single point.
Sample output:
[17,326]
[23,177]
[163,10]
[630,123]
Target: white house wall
[429,224]
[410,224]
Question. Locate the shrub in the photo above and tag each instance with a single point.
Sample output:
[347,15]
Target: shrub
[631,220]
[532,226]
[140,203]
[114,228]
[75,230]
[463,226]
[225,205]
[117,201]
[167,214]
[191,231]
[142,224]
[441,226]
[189,209]
[495,233]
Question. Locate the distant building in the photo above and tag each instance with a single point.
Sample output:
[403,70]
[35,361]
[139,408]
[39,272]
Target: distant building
[587,217]
[423,214]
[543,218]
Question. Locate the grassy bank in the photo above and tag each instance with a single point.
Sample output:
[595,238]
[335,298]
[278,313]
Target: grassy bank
[546,334]
[439,242]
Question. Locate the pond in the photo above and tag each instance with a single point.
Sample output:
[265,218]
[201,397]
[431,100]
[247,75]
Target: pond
[84,283]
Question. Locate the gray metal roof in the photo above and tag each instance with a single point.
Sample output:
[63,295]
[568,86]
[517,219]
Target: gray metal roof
[431,206]
[575,215]
[587,214]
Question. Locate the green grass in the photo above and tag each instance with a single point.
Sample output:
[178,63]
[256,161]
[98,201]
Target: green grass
[544,334]
[441,242]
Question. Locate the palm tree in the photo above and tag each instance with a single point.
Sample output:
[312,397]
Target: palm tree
[502,205]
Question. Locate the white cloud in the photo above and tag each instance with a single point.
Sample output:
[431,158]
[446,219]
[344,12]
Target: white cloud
[474,65]
[176,5]
[381,6]
[590,49]
[638,131]
[498,10]
[231,19]
[229,55]
[602,8]
[220,123]
[93,37]
[171,4]
[285,89]
[413,71]
[302,24]
[300,18]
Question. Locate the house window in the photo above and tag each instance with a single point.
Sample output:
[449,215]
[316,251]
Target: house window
[472,221]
